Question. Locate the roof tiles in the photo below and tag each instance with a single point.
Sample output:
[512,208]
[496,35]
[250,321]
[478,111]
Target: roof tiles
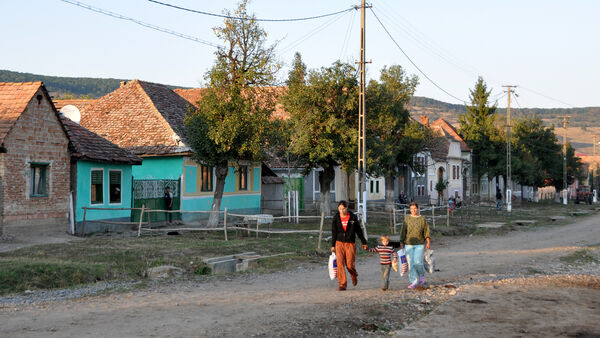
[14,98]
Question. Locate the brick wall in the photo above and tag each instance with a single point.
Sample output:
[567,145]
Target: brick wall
[36,137]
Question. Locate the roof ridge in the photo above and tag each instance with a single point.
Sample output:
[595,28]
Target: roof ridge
[164,120]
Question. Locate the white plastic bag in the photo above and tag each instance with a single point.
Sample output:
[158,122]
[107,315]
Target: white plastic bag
[332,266]
[429,261]
[403,261]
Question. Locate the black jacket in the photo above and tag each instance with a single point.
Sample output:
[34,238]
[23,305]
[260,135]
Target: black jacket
[352,230]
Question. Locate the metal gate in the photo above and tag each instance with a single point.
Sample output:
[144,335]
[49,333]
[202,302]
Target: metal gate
[150,193]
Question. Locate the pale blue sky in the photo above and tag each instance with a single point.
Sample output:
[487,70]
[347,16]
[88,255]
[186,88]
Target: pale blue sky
[549,47]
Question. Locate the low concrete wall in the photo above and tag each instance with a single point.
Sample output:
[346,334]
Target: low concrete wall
[35,227]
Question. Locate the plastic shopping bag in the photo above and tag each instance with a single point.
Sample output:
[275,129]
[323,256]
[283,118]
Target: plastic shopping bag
[403,262]
[429,261]
[332,266]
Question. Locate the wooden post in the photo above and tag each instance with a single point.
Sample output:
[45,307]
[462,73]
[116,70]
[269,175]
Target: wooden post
[141,219]
[257,221]
[225,223]
[448,216]
[433,214]
[321,229]
[394,219]
[391,222]
[404,212]
[83,223]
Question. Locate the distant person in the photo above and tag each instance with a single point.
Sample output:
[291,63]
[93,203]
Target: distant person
[458,202]
[451,205]
[498,199]
[168,204]
[344,229]
[415,238]
[386,253]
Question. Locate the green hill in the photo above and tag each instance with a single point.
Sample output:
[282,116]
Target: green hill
[68,87]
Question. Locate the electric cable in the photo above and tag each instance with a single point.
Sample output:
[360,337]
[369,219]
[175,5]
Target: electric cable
[141,23]
[412,62]
[250,18]
[311,33]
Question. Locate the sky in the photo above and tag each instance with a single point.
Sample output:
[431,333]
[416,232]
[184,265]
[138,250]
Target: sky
[548,48]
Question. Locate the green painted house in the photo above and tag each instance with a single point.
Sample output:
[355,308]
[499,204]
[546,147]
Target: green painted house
[101,178]
[148,120]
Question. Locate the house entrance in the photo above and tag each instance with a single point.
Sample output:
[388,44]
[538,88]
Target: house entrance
[150,193]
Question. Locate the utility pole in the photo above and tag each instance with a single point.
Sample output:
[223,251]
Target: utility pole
[361,193]
[508,152]
[565,190]
[594,165]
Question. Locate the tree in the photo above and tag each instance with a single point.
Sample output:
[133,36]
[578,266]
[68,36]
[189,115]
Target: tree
[392,139]
[233,113]
[323,108]
[478,130]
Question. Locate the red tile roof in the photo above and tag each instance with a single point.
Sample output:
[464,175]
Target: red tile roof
[451,132]
[14,98]
[79,103]
[140,115]
[194,95]
[85,145]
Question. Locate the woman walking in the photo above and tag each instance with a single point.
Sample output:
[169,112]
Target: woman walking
[414,238]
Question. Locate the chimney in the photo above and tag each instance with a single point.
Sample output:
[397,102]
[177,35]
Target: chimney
[424,120]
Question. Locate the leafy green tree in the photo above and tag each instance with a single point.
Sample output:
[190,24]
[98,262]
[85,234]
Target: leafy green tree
[233,113]
[392,139]
[477,127]
[323,106]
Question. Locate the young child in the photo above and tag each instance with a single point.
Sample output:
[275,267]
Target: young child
[386,252]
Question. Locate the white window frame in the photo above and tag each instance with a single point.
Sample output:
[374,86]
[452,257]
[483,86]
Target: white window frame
[103,194]
[120,186]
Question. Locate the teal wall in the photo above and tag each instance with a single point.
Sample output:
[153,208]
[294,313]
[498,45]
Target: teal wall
[84,191]
[230,181]
[256,180]
[239,204]
[170,168]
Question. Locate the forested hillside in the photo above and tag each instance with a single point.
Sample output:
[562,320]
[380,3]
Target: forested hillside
[67,87]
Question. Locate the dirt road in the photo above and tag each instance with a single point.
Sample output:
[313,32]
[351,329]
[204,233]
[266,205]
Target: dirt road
[488,286]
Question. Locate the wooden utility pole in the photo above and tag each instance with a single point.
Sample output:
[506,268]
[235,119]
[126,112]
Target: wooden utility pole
[508,153]
[361,193]
[565,190]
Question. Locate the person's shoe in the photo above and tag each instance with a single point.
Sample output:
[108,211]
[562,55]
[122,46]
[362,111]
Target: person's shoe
[354,281]
[421,280]
[341,288]
[383,289]
[412,286]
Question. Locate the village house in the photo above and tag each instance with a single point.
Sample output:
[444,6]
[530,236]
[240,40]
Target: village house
[34,161]
[148,120]
[101,178]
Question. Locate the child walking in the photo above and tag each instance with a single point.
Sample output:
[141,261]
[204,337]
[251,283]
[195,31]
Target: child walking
[386,252]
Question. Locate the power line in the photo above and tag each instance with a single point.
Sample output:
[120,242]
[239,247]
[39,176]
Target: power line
[411,61]
[311,33]
[548,97]
[141,23]
[250,18]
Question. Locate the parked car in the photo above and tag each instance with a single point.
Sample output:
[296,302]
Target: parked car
[583,195]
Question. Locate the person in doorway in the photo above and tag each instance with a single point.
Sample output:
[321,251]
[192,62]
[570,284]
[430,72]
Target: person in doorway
[458,202]
[414,238]
[498,199]
[168,204]
[344,229]
[386,253]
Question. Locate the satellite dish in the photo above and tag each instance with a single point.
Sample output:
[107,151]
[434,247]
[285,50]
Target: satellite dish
[71,112]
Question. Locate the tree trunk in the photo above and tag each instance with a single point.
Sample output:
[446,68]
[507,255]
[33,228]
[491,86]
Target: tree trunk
[221,171]
[325,178]
[389,192]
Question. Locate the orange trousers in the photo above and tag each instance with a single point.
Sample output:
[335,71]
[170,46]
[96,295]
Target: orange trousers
[346,255]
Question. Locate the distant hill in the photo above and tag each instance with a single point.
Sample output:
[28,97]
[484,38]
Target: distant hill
[68,87]
[584,122]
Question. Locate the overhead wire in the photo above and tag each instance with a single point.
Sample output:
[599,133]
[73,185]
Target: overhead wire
[347,35]
[311,33]
[141,23]
[412,62]
[250,18]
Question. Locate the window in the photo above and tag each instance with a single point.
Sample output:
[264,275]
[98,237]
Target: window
[243,174]
[114,187]
[371,183]
[38,179]
[97,180]
[377,187]
[457,172]
[207,178]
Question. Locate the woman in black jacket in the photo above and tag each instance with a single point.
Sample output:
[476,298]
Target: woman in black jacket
[344,229]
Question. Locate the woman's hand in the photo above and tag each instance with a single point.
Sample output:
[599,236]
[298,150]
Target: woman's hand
[428,245]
